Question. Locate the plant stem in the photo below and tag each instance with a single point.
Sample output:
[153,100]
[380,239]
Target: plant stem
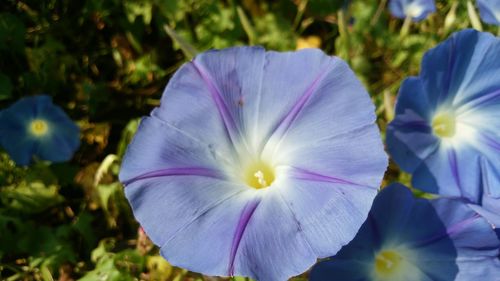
[300,12]
[379,11]
[188,49]
[405,29]
[473,16]
[343,33]
[247,26]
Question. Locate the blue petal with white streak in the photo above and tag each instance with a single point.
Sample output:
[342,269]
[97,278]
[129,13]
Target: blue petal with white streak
[489,10]
[417,10]
[447,122]
[409,239]
[35,127]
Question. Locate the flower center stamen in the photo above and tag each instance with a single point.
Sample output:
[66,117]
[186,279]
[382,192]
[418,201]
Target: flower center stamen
[387,262]
[444,125]
[259,175]
[38,127]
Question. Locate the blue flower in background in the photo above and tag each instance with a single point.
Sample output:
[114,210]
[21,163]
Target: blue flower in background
[417,10]
[256,163]
[447,126]
[489,11]
[34,126]
[409,239]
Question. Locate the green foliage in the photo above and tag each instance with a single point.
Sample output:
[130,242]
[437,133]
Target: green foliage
[107,62]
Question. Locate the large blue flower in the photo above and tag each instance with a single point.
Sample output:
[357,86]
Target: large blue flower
[417,10]
[408,239]
[256,163]
[489,11]
[34,126]
[447,125]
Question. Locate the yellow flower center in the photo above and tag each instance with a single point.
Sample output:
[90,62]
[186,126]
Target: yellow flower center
[259,175]
[387,263]
[39,127]
[444,125]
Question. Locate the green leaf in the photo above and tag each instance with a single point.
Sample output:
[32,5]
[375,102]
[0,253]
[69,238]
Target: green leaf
[106,191]
[5,87]
[105,246]
[122,266]
[127,135]
[12,227]
[159,269]
[46,275]
[12,32]
[135,9]
[106,270]
[188,49]
[31,197]
[83,225]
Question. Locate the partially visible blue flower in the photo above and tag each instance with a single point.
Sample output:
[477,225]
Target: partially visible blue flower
[489,11]
[256,163]
[416,9]
[409,239]
[447,126]
[34,126]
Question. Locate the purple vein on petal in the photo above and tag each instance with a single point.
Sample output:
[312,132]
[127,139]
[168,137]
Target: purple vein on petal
[450,231]
[302,174]
[475,102]
[186,171]
[230,125]
[419,125]
[285,123]
[452,160]
[245,216]
[491,142]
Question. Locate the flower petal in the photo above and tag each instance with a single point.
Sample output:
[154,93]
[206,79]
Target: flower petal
[160,146]
[188,197]
[362,161]
[417,9]
[489,11]
[461,68]
[340,270]
[64,136]
[489,205]
[462,223]
[335,104]
[413,97]
[192,103]
[211,252]
[13,127]
[329,212]
[274,246]
[250,235]
[432,237]
[450,171]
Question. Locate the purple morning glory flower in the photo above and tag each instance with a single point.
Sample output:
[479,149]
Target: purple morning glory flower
[409,239]
[417,10]
[447,125]
[489,11]
[34,126]
[256,163]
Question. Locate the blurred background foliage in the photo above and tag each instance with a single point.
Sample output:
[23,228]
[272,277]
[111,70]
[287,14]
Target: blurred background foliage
[107,62]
